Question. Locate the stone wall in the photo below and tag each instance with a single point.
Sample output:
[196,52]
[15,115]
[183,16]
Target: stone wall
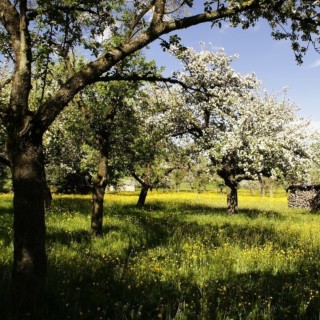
[304,197]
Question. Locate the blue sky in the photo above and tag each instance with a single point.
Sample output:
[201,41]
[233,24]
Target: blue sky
[272,61]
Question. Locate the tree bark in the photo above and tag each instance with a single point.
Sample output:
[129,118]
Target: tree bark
[146,185]
[232,196]
[231,188]
[99,187]
[30,259]
[143,195]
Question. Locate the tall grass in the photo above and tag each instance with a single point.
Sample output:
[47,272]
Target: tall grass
[181,257]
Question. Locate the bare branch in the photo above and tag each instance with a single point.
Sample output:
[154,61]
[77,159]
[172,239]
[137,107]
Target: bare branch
[208,16]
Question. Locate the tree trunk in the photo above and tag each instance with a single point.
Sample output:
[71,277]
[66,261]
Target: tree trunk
[30,259]
[99,187]
[232,197]
[262,187]
[232,191]
[271,191]
[143,195]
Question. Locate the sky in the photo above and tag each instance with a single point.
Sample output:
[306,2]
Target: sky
[272,61]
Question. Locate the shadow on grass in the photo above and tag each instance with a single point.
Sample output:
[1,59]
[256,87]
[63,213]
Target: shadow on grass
[63,205]
[83,206]
[157,227]
[263,295]
[110,291]
[107,290]
[196,209]
[58,235]
[6,211]
[89,285]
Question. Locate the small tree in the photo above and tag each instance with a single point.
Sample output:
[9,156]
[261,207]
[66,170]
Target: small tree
[110,119]
[261,143]
[152,154]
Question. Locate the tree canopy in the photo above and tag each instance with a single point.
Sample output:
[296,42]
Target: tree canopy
[245,132]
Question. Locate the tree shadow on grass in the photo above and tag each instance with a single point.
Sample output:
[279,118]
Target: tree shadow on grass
[63,205]
[6,211]
[5,282]
[264,295]
[147,231]
[160,228]
[203,209]
[90,285]
[61,236]
[108,289]
[83,206]
[94,286]
[6,225]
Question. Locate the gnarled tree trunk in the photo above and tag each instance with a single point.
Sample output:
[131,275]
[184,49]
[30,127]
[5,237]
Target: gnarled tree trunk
[232,189]
[232,195]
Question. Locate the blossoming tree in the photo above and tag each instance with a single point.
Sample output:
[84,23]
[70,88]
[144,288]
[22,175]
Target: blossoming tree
[245,132]
[267,140]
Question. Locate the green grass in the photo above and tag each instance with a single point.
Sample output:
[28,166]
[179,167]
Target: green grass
[182,257]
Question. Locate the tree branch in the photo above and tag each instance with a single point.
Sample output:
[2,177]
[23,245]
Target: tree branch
[32,14]
[92,72]
[5,82]
[75,8]
[148,78]
[140,15]
[158,13]
[208,16]
[9,17]
[143,183]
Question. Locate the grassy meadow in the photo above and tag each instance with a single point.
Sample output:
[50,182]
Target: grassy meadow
[181,257]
